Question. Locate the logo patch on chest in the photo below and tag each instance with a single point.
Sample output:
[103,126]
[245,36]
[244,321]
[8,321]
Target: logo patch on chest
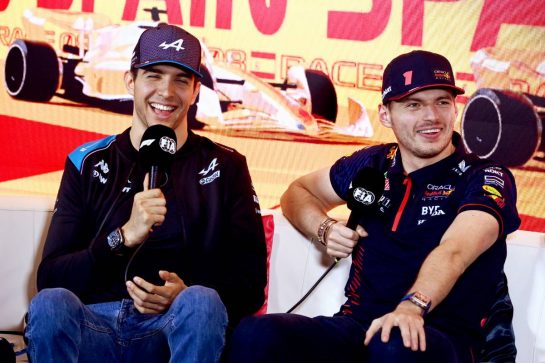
[211,167]
[432,211]
[100,171]
[210,179]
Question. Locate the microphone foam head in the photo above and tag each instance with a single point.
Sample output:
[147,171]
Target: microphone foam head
[365,190]
[157,147]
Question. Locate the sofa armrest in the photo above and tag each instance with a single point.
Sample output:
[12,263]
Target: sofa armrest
[295,265]
[24,222]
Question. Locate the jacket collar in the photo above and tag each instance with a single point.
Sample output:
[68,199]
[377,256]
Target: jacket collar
[424,174]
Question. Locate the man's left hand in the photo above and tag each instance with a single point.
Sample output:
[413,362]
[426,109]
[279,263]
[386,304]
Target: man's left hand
[408,318]
[152,299]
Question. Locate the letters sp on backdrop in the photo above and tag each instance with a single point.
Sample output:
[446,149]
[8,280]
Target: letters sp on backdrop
[491,43]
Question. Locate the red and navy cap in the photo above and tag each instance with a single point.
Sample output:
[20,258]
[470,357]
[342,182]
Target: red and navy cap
[168,44]
[415,71]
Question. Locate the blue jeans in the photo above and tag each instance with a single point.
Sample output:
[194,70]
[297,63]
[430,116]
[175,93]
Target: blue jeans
[61,328]
[283,338]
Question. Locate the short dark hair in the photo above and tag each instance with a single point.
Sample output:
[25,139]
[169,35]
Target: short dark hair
[134,73]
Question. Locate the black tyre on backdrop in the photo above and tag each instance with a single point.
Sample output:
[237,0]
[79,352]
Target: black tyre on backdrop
[501,125]
[322,95]
[31,71]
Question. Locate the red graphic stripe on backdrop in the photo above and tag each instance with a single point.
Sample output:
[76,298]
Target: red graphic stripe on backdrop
[265,75]
[531,223]
[264,55]
[463,76]
[30,148]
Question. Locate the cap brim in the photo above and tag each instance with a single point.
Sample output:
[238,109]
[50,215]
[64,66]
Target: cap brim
[183,66]
[456,90]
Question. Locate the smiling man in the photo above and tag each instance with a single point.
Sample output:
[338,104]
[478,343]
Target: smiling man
[426,266]
[136,273]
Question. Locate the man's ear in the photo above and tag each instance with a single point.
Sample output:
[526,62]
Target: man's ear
[196,90]
[384,116]
[129,82]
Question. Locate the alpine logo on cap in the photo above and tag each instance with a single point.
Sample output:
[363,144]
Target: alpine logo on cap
[177,44]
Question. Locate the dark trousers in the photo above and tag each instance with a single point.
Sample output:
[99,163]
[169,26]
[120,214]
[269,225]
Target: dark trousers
[295,338]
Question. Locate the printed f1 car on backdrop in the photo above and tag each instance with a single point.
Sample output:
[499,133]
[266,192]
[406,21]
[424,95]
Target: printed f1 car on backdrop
[272,65]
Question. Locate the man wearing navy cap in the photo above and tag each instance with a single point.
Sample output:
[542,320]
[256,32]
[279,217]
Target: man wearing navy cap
[427,264]
[133,272]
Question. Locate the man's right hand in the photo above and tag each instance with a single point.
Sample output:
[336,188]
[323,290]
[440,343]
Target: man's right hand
[406,316]
[148,210]
[341,240]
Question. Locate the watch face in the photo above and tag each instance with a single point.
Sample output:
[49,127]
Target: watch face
[115,240]
[421,300]
[422,297]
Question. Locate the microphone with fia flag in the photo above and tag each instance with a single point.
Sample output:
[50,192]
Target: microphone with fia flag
[362,199]
[156,153]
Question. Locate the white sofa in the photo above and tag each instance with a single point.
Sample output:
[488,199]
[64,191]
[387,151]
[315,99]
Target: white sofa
[295,264]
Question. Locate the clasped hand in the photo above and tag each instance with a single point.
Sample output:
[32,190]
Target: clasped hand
[152,299]
[149,210]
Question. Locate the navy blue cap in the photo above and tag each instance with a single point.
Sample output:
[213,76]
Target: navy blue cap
[168,44]
[415,71]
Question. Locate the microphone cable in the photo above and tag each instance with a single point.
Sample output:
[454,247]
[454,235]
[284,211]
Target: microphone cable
[364,192]
[132,258]
[314,286]
[144,241]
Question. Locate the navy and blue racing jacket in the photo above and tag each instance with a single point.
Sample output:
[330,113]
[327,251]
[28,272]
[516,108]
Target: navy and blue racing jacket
[212,234]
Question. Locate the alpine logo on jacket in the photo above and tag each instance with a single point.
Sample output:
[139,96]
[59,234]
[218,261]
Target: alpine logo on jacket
[207,179]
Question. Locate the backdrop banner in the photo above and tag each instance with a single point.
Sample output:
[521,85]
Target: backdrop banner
[292,84]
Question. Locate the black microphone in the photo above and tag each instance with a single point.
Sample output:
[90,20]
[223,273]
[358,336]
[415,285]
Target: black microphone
[363,195]
[156,153]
